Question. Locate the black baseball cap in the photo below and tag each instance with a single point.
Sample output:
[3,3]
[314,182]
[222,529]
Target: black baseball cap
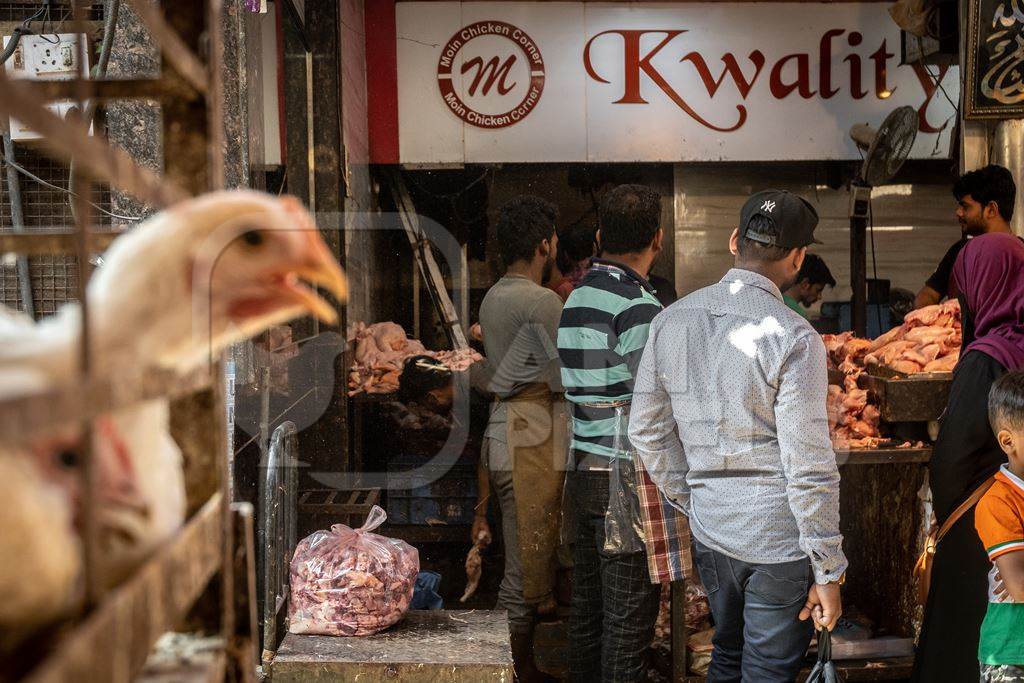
[793,216]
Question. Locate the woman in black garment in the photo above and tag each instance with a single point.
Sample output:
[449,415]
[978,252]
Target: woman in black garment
[990,276]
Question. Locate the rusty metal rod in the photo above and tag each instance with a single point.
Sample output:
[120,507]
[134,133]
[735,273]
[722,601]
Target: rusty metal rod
[82,210]
[50,242]
[18,223]
[24,417]
[67,139]
[142,88]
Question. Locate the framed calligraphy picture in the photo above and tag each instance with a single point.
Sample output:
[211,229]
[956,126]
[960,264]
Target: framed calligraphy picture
[994,87]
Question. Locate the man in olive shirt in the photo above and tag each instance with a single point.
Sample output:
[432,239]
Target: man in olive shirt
[526,435]
[985,200]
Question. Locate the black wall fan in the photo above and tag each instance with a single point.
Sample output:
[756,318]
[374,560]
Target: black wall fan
[885,151]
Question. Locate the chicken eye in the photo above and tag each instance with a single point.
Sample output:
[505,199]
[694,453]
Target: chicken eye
[253,238]
[68,458]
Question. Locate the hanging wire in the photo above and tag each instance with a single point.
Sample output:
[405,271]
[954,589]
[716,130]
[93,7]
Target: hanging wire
[24,30]
[69,193]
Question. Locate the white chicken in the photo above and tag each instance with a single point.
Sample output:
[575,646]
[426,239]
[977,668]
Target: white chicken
[41,486]
[174,292]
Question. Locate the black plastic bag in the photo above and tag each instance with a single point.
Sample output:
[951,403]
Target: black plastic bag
[824,671]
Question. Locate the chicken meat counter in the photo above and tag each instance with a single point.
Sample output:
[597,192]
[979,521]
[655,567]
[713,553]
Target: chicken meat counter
[885,396]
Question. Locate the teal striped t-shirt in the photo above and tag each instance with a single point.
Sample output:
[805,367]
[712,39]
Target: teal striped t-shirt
[601,338]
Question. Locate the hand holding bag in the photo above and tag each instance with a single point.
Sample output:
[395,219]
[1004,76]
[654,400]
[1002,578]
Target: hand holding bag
[824,670]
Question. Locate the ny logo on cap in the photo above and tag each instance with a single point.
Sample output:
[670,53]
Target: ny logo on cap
[768,206]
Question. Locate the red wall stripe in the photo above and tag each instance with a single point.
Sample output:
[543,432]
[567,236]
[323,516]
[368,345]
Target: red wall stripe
[382,80]
[282,135]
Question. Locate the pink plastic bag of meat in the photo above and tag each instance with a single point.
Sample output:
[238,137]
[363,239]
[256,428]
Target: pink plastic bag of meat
[351,582]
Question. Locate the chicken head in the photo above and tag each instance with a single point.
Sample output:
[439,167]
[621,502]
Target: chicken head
[209,272]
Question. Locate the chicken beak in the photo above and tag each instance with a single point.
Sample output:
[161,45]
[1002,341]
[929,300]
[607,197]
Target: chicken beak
[322,271]
[330,277]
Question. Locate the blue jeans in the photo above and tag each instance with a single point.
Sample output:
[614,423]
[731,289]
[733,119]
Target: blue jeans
[758,636]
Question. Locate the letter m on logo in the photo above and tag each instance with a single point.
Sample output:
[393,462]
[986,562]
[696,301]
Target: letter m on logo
[489,74]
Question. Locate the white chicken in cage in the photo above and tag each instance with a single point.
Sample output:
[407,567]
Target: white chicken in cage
[172,293]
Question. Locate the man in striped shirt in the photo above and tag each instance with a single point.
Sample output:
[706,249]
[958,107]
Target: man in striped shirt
[601,338]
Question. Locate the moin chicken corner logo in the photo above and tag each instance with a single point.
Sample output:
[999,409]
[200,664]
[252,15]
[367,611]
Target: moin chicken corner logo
[492,76]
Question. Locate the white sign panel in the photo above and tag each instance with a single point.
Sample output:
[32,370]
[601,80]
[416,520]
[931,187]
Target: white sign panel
[572,82]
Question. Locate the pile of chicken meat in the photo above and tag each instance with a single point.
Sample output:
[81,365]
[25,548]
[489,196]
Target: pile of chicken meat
[927,341]
[381,350]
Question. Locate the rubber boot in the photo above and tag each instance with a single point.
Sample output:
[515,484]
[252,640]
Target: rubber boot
[522,659]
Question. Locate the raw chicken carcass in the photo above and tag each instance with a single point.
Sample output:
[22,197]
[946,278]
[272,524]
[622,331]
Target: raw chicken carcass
[923,317]
[929,335]
[890,352]
[381,350]
[906,367]
[853,421]
[944,364]
[932,351]
[951,306]
[835,342]
[474,565]
[855,349]
[871,415]
[926,339]
[855,401]
[882,340]
[459,360]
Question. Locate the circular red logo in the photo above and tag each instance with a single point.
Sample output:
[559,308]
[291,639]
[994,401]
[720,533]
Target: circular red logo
[501,72]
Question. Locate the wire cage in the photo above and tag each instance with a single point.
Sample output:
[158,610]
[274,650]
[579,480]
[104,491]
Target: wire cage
[17,10]
[54,277]
[110,638]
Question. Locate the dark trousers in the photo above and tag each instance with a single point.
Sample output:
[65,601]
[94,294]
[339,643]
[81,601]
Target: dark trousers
[614,603]
[758,636]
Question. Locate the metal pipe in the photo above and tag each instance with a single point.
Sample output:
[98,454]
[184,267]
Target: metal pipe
[18,223]
[110,11]
[276,530]
[1008,151]
[858,275]
[83,251]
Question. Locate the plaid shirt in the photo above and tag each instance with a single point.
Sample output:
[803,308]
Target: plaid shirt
[666,532]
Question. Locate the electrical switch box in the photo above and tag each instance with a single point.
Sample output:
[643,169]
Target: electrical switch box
[47,57]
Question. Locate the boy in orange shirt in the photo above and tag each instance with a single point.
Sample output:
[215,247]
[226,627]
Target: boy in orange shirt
[999,520]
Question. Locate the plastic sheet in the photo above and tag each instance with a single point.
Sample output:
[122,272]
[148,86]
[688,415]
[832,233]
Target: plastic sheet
[623,529]
[351,582]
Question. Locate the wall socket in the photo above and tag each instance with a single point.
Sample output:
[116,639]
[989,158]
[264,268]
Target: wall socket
[48,57]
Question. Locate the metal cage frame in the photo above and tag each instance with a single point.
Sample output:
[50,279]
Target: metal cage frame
[217,540]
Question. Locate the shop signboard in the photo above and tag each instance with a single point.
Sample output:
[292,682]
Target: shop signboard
[481,82]
[995,60]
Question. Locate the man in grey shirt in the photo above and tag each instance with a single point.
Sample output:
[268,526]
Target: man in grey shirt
[526,440]
[729,420]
